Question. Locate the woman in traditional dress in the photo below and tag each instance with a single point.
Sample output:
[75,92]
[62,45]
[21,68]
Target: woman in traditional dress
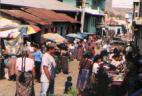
[25,66]
[96,65]
[85,68]
[80,51]
[64,60]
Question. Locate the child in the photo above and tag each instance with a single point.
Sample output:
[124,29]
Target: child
[68,84]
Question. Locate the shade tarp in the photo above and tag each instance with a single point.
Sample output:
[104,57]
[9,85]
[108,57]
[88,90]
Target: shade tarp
[7,27]
[12,33]
[4,22]
[54,37]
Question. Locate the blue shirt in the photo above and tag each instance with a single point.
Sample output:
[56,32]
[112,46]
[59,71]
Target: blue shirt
[38,56]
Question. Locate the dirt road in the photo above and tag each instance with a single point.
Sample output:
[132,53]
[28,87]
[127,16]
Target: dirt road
[7,88]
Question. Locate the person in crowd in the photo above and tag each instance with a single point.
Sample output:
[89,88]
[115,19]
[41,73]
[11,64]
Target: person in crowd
[24,75]
[88,47]
[93,50]
[76,43]
[129,49]
[104,54]
[116,60]
[48,71]
[115,51]
[37,58]
[4,66]
[6,73]
[71,49]
[30,47]
[75,48]
[84,42]
[80,51]
[64,60]
[106,46]
[68,84]
[11,68]
[85,68]
[97,61]
[96,65]
[57,57]
[43,47]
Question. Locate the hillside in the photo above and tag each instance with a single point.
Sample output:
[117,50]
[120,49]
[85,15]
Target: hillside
[116,11]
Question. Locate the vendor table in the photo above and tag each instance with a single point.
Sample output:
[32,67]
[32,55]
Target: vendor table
[117,84]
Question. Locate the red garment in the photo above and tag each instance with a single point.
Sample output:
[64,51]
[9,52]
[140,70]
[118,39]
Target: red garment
[79,54]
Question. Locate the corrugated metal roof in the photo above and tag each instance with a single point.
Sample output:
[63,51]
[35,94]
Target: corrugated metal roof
[66,17]
[25,16]
[50,16]
[39,15]
[47,4]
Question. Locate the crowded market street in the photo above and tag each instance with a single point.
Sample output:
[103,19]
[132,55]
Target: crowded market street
[70,48]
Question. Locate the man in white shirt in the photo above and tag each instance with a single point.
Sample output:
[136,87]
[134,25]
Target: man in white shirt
[48,71]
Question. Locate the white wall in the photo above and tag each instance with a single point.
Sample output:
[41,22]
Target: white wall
[116,28]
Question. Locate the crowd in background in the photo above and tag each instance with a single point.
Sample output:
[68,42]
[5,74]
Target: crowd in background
[43,62]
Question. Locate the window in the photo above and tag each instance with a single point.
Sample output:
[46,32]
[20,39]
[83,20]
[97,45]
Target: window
[79,3]
[136,14]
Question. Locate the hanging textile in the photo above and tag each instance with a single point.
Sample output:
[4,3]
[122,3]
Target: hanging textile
[14,46]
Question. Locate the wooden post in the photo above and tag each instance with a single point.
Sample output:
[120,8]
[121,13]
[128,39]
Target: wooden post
[83,15]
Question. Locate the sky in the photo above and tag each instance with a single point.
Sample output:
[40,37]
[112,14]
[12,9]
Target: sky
[122,3]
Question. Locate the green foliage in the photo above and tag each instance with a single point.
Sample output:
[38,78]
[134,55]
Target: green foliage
[72,92]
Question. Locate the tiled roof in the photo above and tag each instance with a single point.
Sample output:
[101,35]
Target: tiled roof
[47,4]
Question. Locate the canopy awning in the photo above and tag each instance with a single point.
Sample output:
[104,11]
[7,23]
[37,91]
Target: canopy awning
[93,12]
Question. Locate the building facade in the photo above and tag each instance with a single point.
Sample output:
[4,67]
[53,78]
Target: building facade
[137,23]
[93,13]
[46,10]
